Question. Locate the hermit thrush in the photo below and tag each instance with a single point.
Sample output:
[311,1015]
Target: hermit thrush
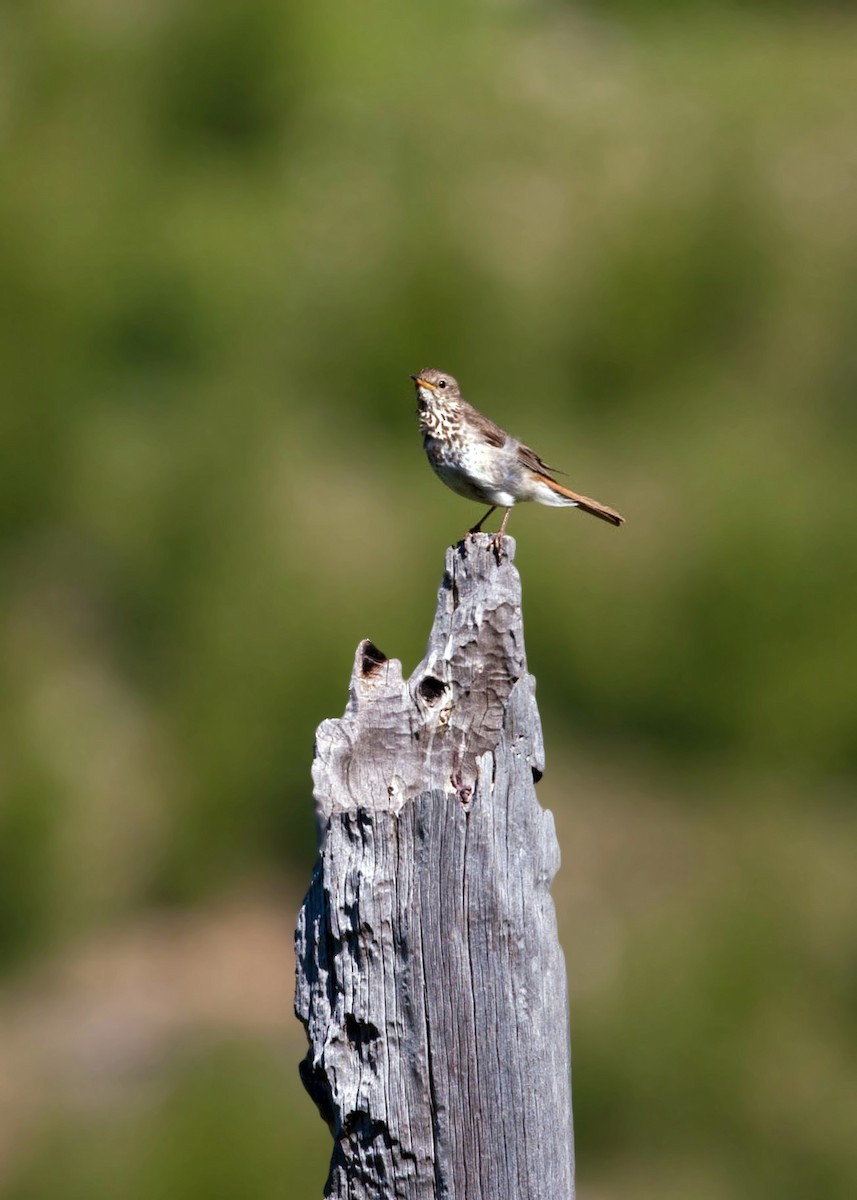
[479,460]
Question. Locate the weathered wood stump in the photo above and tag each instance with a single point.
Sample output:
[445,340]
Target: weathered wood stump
[429,975]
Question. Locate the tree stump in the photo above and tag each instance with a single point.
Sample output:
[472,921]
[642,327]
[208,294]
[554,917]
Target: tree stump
[430,979]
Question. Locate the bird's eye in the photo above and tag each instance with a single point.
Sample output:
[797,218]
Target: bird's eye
[441,383]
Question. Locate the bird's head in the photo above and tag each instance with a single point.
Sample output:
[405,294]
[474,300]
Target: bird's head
[436,391]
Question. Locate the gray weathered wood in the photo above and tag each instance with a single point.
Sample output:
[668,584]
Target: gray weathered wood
[429,975]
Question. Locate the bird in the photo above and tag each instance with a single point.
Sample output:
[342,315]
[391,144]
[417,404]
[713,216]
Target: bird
[479,460]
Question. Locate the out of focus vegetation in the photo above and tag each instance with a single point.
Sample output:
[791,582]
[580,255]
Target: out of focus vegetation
[228,234]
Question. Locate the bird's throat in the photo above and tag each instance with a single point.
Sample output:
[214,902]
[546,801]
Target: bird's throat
[439,421]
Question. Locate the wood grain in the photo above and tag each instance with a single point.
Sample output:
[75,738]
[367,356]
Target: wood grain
[429,975]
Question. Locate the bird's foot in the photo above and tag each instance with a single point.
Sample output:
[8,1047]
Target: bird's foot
[498,545]
[498,539]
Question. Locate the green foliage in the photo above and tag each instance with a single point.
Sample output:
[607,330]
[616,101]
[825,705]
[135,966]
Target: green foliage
[231,1125]
[691,1059]
[27,825]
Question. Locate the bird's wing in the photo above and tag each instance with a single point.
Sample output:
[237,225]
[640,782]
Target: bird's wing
[493,434]
[530,459]
[496,436]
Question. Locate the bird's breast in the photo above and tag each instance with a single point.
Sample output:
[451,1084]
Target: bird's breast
[473,468]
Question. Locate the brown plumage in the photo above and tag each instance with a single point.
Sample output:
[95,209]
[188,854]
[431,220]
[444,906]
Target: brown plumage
[584,503]
[479,460]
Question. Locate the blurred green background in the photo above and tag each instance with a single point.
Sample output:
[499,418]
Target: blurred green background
[228,234]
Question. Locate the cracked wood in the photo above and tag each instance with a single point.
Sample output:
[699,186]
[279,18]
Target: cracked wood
[430,979]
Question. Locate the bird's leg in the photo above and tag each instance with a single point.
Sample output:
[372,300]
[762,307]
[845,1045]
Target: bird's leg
[477,527]
[497,539]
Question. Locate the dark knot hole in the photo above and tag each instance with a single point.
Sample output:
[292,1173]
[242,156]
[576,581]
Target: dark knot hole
[431,689]
[373,658]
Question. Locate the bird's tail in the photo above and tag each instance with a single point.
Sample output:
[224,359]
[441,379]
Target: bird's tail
[583,502]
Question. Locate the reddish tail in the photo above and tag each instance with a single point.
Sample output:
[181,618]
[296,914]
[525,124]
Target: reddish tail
[584,503]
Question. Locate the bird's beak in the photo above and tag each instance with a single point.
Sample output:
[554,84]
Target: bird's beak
[423,383]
